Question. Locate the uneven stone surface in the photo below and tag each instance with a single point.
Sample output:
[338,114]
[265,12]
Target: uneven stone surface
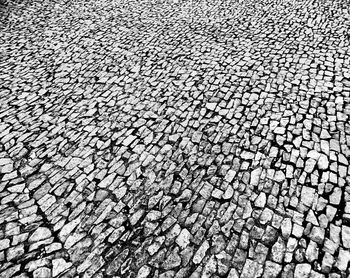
[175,139]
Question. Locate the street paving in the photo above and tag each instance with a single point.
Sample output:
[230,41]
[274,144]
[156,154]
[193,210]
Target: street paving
[175,138]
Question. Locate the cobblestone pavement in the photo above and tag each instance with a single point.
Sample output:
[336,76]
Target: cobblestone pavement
[139,139]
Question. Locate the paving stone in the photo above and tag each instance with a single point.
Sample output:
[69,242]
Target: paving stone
[345,236]
[317,234]
[173,260]
[327,262]
[223,262]
[183,239]
[233,273]
[307,195]
[260,201]
[59,266]
[286,227]
[199,255]
[42,272]
[255,176]
[210,267]
[251,269]
[177,140]
[4,244]
[312,251]
[315,274]
[302,270]
[272,270]
[40,234]
[278,250]
[323,162]
[14,253]
[144,272]
[343,260]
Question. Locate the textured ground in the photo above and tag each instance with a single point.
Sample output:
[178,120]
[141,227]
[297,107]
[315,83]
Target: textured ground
[175,139]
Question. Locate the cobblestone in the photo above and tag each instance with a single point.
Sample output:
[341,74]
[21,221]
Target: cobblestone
[175,139]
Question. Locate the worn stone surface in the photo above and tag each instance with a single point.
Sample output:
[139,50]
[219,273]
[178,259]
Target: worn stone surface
[175,139]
